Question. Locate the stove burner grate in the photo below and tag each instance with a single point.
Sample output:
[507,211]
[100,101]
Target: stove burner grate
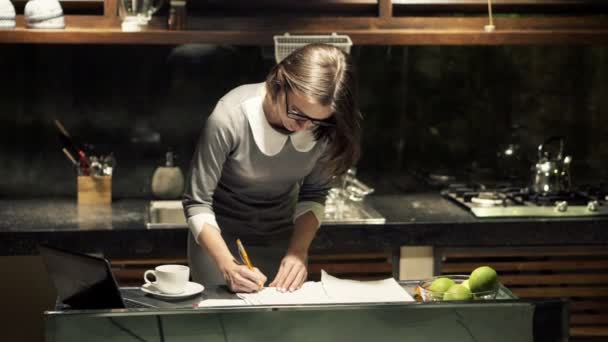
[572,198]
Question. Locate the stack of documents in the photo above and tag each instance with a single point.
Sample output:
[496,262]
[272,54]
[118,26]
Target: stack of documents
[331,290]
[310,293]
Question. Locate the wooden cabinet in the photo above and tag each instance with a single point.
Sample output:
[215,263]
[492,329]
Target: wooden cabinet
[382,22]
[578,273]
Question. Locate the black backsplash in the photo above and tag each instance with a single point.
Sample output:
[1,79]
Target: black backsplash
[435,109]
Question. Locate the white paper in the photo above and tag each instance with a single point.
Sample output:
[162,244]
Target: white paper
[222,302]
[310,293]
[354,291]
[331,290]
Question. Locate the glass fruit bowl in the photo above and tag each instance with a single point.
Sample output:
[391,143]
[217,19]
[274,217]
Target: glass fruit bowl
[426,295]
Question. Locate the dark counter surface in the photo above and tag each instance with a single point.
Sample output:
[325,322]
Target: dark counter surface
[29,215]
[411,219]
[45,215]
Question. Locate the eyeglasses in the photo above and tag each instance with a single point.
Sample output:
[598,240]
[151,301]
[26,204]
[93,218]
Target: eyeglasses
[302,118]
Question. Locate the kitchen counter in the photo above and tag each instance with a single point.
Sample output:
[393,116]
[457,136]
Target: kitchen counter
[412,219]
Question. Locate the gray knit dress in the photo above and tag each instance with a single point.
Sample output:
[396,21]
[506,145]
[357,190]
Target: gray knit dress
[250,181]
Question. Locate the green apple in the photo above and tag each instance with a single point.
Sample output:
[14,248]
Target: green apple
[483,279]
[458,292]
[440,285]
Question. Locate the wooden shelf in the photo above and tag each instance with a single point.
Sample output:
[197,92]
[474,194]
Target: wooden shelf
[403,7]
[363,31]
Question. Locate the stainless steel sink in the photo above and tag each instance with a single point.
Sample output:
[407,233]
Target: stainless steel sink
[351,213]
[165,214]
[170,214]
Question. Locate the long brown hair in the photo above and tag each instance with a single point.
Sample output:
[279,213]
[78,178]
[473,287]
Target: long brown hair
[325,75]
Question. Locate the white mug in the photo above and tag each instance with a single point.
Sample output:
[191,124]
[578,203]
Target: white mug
[170,279]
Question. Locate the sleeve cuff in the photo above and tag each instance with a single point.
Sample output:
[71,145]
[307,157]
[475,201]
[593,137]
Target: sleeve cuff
[197,222]
[317,209]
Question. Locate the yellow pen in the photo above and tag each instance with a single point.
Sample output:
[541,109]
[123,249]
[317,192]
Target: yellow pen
[244,256]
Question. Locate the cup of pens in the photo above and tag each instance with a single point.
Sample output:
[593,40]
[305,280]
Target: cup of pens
[94,175]
[95,181]
[94,171]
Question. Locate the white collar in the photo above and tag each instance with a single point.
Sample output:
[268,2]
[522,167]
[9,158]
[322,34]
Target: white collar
[269,140]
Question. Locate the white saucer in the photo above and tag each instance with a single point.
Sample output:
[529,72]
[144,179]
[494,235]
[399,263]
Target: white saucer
[190,290]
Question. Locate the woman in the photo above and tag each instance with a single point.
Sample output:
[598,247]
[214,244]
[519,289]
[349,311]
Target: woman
[262,168]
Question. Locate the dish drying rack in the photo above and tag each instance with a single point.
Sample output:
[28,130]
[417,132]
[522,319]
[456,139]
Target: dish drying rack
[345,202]
[285,44]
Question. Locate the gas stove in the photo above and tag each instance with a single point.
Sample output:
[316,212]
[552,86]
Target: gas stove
[507,200]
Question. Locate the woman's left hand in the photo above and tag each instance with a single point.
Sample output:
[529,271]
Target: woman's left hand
[292,272]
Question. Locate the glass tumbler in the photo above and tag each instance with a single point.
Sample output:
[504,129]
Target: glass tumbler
[137,13]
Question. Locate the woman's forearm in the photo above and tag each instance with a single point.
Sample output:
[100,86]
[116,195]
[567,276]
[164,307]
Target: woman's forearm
[211,239]
[304,232]
[239,278]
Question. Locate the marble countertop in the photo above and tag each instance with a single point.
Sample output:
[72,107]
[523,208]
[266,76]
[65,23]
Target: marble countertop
[411,219]
[31,215]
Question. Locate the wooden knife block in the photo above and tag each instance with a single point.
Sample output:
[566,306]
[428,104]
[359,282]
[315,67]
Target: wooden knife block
[94,189]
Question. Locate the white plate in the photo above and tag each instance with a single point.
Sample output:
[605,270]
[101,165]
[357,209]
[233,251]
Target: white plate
[190,290]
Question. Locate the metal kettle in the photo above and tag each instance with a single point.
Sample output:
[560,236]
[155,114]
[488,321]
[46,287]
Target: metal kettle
[551,174]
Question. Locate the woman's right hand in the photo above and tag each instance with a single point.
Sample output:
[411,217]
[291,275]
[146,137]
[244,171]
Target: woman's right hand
[240,278]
